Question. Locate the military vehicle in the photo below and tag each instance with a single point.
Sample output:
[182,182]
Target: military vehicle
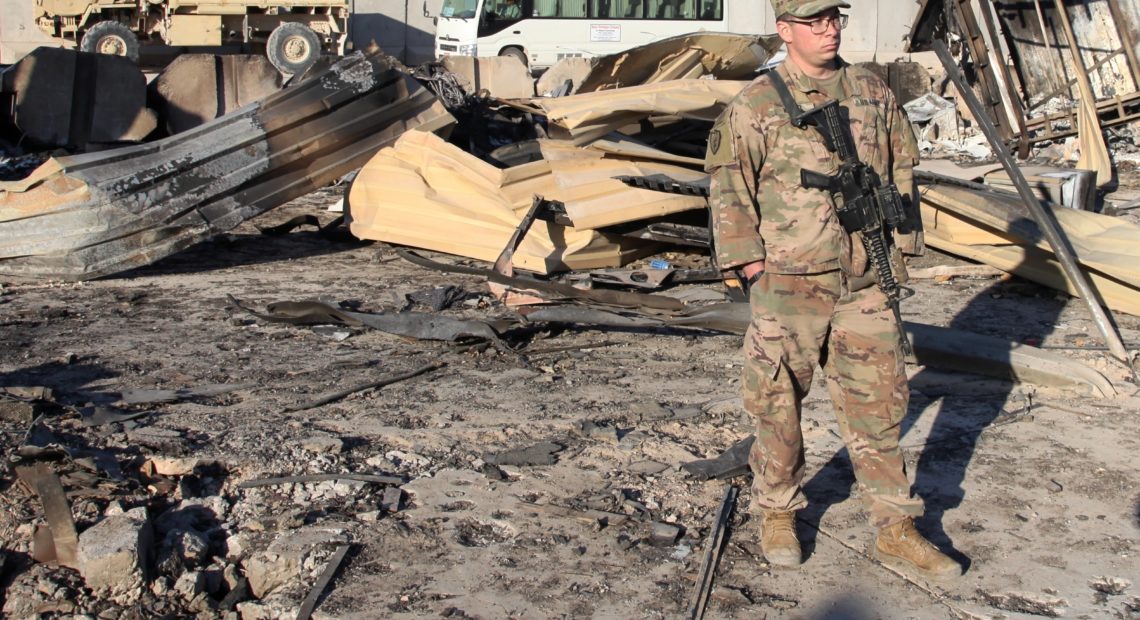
[292,34]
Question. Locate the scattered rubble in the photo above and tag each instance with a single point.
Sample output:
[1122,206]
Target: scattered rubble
[211,459]
[114,556]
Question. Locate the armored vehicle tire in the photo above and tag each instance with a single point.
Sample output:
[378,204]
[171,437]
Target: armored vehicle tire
[110,37]
[293,47]
[515,52]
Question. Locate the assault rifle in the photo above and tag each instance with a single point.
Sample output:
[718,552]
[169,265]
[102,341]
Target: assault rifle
[869,207]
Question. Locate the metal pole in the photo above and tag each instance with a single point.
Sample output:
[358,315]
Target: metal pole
[1044,220]
[712,556]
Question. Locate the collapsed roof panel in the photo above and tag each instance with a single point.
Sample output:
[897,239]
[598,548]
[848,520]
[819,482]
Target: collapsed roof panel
[724,56]
[995,228]
[427,193]
[589,116]
[503,77]
[91,215]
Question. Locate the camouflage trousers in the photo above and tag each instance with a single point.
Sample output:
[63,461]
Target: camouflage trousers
[798,322]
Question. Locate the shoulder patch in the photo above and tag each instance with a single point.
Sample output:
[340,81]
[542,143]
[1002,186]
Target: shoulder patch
[721,150]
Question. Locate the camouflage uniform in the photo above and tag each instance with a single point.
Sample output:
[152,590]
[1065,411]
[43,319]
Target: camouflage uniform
[815,302]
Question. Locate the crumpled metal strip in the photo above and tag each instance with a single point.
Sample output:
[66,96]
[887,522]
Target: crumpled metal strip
[418,325]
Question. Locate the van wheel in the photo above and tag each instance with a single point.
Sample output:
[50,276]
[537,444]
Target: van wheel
[110,37]
[293,47]
[516,53]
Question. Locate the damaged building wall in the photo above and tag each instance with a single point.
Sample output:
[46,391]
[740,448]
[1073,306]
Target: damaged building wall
[1041,53]
[1030,62]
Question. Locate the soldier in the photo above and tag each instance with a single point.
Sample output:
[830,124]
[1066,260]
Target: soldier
[812,295]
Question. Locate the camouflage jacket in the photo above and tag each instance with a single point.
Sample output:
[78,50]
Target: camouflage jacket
[760,210]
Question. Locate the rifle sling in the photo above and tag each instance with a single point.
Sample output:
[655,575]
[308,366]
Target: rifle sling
[798,117]
[793,108]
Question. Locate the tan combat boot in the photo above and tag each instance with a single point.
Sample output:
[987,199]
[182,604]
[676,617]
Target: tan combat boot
[778,537]
[901,546]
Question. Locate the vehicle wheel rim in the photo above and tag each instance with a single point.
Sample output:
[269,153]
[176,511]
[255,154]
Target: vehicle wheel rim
[113,45]
[295,49]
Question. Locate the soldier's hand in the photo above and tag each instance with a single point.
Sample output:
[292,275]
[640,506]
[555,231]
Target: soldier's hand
[752,271]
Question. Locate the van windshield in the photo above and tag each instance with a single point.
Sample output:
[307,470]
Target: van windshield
[462,9]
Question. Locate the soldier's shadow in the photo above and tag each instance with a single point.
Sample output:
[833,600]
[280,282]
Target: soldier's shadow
[959,419]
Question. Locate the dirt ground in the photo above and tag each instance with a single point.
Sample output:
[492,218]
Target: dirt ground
[1035,489]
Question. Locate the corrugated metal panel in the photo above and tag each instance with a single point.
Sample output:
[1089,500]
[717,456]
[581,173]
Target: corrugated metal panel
[96,214]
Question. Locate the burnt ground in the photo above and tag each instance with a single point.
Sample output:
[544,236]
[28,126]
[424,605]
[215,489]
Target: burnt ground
[1042,503]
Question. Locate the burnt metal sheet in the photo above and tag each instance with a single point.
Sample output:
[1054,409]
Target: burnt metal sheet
[503,77]
[937,347]
[418,325]
[995,228]
[92,215]
[1058,243]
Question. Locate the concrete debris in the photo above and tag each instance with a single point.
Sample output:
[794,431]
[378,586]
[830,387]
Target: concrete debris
[664,534]
[290,556]
[314,596]
[18,412]
[115,553]
[1027,603]
[392,500]
[323,444]
[1112,586]
[190,584]
[647,468]
[179,466]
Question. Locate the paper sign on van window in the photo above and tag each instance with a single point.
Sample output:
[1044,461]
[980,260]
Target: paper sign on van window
[605,33]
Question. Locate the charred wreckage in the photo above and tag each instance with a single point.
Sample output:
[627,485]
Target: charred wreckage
[561,186]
